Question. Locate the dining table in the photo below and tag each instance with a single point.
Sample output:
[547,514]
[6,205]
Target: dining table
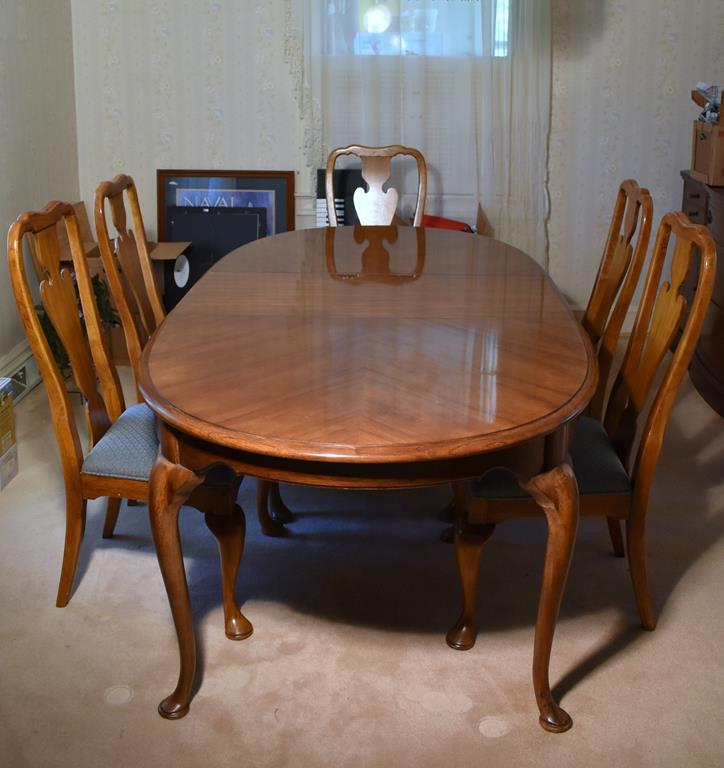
[364,358]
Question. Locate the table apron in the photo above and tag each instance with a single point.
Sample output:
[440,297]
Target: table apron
[525,460]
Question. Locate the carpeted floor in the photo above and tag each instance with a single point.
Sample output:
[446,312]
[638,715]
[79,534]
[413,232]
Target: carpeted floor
[348,665]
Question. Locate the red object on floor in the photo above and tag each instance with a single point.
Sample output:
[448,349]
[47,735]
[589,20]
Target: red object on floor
[443,223]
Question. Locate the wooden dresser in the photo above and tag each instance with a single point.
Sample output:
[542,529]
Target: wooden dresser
[705,205]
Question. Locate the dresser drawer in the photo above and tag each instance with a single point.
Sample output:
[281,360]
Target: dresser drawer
[695,201]
[714,218]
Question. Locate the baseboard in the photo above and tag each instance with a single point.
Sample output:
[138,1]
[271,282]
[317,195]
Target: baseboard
[13,359]
[20,366]
[305,209]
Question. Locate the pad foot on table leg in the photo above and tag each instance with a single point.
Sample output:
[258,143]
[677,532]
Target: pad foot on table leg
[238,628]
[556,721]
[170,709]
[461,637]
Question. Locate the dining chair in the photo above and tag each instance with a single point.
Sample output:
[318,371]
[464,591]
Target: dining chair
[616,280]
[127,264]
[122,441]
[129,271]
[613,290]
[613,479]
[376,206]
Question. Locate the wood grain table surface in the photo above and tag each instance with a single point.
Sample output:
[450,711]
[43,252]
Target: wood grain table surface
[364,357]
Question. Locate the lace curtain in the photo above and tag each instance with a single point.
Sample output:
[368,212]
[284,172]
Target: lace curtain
[467,82]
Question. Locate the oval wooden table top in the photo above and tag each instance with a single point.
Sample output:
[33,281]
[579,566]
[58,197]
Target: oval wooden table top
[370,344]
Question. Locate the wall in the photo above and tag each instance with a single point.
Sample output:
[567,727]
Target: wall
[622,72]
[180,84]
[38,159]
[196,84]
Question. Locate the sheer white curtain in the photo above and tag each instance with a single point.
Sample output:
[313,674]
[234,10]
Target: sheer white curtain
[467,82]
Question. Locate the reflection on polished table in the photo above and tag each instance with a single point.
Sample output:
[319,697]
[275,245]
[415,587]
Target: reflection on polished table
[365,357]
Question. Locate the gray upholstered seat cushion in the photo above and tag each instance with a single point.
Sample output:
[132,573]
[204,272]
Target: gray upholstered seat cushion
[597,467]
[129,447]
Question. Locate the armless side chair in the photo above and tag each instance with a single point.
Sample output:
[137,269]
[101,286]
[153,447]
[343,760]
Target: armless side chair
[613,290]
[618,275]
[376,206]
[127,265]
[614,480]
[123,443]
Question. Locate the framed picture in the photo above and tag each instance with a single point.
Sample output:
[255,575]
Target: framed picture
[269,191]
[215,212]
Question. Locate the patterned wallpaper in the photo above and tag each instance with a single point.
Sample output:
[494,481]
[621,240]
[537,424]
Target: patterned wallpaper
[622,72]
[180,84]
[38,160]
[195,83]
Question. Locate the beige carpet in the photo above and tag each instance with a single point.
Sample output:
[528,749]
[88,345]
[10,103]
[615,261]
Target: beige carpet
[348,665]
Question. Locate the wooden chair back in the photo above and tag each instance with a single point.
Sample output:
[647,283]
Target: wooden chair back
[127,264]
[80,332]
[654,333]
[376,206]
[617,278]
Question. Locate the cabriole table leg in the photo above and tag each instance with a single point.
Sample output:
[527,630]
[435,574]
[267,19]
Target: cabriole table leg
[556,492]
[171,485]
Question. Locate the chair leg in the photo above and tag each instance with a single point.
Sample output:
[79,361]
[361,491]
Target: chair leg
[75,509]
[230,531]
[614,531]
[447,513]
[269,527]
[113,507]
[279,511]
[636,547]
[469,543]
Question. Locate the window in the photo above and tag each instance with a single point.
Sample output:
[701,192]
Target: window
[431,28]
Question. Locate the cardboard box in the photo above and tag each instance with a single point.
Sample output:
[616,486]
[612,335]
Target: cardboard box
[707,153]
[8,448]
[161,253]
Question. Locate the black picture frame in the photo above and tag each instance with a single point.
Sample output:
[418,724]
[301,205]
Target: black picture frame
[272,190]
